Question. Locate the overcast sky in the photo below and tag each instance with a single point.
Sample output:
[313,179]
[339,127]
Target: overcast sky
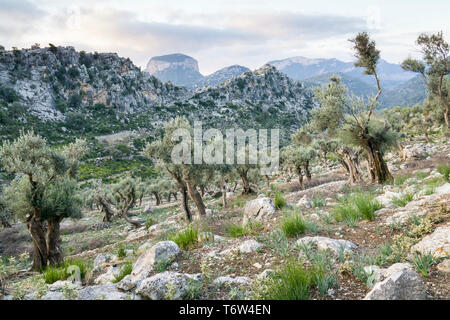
[222,33]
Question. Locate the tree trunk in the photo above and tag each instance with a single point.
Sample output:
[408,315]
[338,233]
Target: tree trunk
[224,195]
[157,197]
[196,197]
[175,196]
[352,162]
[202,190]
[36,230]
[169,197]
[184,201]
[307,172]
[245,184]
[377,163]
[299,172]
[106,208]
[446,116]
[370,172]
[344,164]
[324,159]
[5,222]
[55,255]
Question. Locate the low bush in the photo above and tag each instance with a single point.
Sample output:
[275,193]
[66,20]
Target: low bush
[236,230]
[293,224]
[188,238]
[403,200]
[63,272]
[124,271]
[279,200]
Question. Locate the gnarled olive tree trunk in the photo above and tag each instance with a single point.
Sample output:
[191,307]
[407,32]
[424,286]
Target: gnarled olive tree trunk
[299,171]
[36,230]
[196,197]
[377,164]
[157,197]
[184,203]
[305,168]
[351,163]
[53,235]
[246,188]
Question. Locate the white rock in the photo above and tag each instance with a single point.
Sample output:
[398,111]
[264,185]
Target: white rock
[445,189]
[437,243]
[305,201]
[228,280]
[396,267]
[265,274]
[60,284]
[250,246]
[444,266]
[103,292]
[402,285]
[260,209]
[161,285]
[109,276]
[324,243]
[102,259]
[162,251]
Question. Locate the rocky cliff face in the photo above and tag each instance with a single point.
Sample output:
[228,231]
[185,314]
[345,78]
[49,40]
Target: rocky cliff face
[104,93]
[221,75]
[54,79]
[177,68]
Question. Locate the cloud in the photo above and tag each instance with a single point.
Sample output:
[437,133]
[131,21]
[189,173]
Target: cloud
[18,18]
[216,39]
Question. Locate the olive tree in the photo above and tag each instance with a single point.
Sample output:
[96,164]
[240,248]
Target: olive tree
[184,174]
[298,158]
[44,192]
[119,199]
[434,69]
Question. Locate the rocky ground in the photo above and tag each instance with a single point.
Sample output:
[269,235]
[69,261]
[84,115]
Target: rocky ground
[383,258]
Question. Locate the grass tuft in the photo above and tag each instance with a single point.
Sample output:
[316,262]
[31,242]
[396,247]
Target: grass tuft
[356,206]
[403,200]
[444,169]
[55,273]
[188,238]
[293,224]
[279,200]
[124,271]
[236,230]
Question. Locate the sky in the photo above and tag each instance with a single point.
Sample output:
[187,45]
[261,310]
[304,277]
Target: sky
[223,33]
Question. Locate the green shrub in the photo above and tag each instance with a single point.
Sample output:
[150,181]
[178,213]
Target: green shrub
[345,212]
[356,206]
[444,169]
[150,222]
[279,200]
[366,205]
[423,262]
[293,224]
[291,282]
[187,238]
[121,252]
[163,265]
[399,180]
[318,201]
[236,230]
[124,271]
[54,273]
[403,200]
[237,203]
